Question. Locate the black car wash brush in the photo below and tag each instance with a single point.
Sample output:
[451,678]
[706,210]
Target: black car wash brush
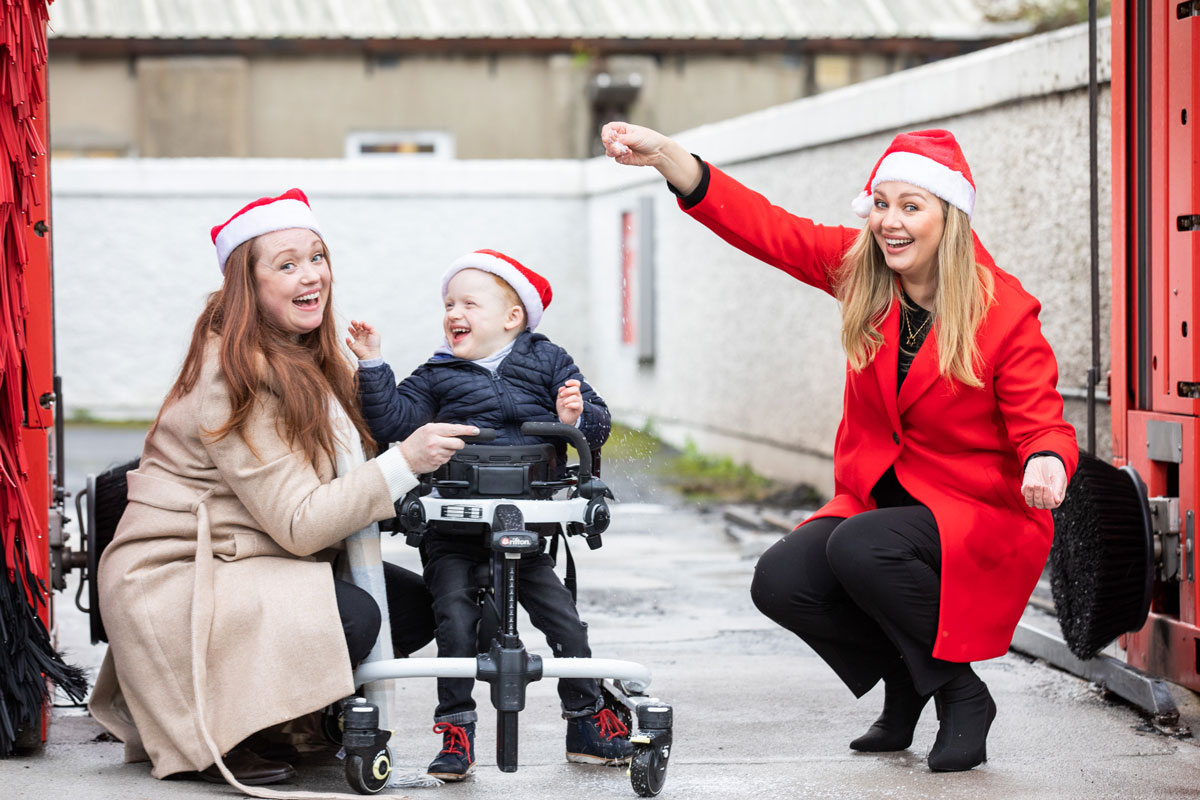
[1102,559]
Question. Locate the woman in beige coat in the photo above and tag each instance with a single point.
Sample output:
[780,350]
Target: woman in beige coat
[217,590]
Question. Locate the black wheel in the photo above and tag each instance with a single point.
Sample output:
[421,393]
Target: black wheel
[331,724]
[369,777]
[648,769]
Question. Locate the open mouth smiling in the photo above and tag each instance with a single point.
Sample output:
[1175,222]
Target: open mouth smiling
[308,302]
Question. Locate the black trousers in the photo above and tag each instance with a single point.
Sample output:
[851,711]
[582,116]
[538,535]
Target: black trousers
[451,568]
[863,592]
[410,611]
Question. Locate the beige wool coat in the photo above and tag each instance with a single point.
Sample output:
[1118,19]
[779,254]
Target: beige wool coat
[215,593]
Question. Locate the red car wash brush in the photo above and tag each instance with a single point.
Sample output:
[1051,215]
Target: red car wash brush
[27,655]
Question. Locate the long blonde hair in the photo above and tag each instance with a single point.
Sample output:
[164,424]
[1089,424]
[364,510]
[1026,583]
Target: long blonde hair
[866,289]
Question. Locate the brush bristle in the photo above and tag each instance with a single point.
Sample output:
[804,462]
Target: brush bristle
[108,503]
[112,488]
[1101,558]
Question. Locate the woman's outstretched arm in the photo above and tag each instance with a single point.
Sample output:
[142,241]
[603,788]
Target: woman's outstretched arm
[635,146]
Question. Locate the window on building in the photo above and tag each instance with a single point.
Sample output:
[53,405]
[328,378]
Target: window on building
[392,144]
[612,96]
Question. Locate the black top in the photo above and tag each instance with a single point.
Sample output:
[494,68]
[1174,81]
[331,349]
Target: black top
[696,195]
[915,324]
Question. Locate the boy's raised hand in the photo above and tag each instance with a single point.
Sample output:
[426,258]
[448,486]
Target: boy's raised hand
[569,403]
[364,340]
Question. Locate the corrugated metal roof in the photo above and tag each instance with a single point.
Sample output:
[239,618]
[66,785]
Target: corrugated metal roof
[522,19]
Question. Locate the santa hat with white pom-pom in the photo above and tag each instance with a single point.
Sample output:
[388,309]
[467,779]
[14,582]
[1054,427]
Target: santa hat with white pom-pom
[929,159]
[533,290]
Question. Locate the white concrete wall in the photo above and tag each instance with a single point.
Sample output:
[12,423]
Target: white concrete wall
[133,260]
[748,360]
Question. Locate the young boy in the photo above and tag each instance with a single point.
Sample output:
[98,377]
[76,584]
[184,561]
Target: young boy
[494,372]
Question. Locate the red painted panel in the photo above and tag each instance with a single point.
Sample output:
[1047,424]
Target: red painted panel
[1180,360]
[36,442]
[1168,645]
[1123,234]
[39,364]
[39,326]
[628,277]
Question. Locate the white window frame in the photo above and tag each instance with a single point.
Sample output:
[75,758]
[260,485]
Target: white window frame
[442,141]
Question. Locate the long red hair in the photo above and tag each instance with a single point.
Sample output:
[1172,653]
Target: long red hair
[256,356]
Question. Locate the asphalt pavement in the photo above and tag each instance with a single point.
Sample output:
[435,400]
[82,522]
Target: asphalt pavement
[757,714]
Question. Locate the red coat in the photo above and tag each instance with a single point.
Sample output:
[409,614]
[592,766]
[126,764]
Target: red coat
[958,450]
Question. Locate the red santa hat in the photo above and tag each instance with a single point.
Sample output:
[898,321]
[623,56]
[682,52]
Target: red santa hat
[531,288]
[929,159]
[264,215]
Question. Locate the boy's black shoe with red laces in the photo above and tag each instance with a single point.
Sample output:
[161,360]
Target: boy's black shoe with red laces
[598,739]
[457,759]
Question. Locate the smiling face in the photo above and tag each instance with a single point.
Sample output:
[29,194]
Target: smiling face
[907,223]
[481,317]
[291,272]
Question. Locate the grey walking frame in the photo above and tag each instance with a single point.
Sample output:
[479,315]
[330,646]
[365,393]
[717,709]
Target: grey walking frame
[499,496]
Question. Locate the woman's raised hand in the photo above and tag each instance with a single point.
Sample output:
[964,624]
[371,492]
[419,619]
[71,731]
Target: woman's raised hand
[364,340]
[432,445]
[1045,482]
[632,145]
[636,146]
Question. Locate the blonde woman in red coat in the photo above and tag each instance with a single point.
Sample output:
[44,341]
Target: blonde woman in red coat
[951,449]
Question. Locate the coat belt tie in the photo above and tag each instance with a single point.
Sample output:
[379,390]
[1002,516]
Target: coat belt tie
[170,496]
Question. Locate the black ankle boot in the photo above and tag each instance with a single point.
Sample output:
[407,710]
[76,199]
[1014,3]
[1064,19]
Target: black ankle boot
[901,710]
[966,710]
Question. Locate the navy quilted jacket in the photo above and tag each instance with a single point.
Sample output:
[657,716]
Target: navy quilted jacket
[448,389]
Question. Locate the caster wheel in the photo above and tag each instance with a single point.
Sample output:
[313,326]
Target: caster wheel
[648,769]
[331,724]
[369,777]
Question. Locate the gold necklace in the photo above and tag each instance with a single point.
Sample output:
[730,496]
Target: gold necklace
[910,337]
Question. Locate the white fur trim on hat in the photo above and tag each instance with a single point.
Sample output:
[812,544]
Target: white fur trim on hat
[529,295]
[933,176]
[276,216]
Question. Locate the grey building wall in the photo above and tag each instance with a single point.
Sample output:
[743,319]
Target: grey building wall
[749,361]
[496,106]
[746,360]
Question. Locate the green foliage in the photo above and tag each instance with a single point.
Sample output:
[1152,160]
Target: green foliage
[1044,15]
[700,476]
[631,444]
[81,415]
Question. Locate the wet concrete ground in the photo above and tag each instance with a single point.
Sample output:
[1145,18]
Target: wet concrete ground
[757,714]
